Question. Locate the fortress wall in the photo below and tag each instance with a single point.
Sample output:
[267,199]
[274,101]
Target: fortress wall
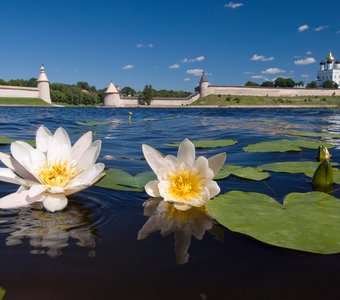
[130,101]
[273,92]
[18,91]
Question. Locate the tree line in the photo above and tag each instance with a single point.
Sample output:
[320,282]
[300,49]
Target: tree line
[82,93]
[289,82]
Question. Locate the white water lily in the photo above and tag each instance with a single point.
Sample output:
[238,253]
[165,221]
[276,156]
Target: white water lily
[182,180]
[52,170]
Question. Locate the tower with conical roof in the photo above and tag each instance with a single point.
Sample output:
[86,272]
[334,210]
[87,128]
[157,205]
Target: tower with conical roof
[112,97]
[44,85]
[204,85]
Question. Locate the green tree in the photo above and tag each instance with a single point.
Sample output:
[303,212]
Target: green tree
[267,84]
[128,91]
[148,94]
[329,84]
[312,85]
[251,83]
[284,82]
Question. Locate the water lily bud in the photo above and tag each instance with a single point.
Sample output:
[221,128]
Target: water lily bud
[323,153]
[323,177]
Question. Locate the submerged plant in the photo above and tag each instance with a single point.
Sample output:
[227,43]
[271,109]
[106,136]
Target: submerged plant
[182,180]
[52,170]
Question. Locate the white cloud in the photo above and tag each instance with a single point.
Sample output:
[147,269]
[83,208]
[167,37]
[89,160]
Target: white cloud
[303,28]
[321,28]
[187,79]
[233,5]
[256,57]
[257,76]
[128,67]
[273,71]
[195,72]
[304,75]
[338,32]
[305,61]
[192,60]
[309,52]
[174,66]
[145,45]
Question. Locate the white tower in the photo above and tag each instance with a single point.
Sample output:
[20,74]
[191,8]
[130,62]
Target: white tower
[204,85]
[44,86]
[112,97]
[330,61]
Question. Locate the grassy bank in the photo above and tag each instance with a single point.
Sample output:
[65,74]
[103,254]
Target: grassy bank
[23,101]
[234,100]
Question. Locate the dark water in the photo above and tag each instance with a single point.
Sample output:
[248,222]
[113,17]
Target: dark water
[90,250]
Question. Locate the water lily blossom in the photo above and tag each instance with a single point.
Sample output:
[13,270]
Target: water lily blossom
[52,170]
[183,180]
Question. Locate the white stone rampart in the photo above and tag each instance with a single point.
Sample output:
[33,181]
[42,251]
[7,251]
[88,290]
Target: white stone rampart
[18,92]
[272,92]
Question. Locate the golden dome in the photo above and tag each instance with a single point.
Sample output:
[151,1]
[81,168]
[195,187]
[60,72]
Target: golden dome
[330,57]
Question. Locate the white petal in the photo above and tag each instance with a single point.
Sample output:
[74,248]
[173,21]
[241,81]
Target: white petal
[7,175]
[90,156]
[153,157]
[186,152]
[216,162]
[37,161]
[86,178]
[54,202]
[149,227]
[15,200]
[36,190]
[151,188]
[62,137]
[213,188]
[21,152]
[56,190]
[11,163]
[81,145]
[58,149]
[41,138]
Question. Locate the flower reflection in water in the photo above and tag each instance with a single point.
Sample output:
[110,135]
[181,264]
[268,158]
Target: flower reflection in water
[163,216]
[50,233]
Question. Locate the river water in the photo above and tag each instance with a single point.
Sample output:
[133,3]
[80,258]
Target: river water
[90,250]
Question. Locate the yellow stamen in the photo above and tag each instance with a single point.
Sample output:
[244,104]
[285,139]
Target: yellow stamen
[184,185]
[57,175]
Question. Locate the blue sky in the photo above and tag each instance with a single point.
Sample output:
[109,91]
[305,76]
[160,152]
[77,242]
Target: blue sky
[167,43]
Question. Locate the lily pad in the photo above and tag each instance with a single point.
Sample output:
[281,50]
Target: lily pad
[208,143]
[250,173]
[315,134]
[93,123]
[7,141]
[305,221]
[2,293]
[120,180]
[294,167]
[285,145]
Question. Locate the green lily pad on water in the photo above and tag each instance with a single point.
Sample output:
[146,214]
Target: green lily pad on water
[294,167]
[305,221]
[315,134]
[250,173]
[2,293]
[120,180]
[208,143]
[7,141]
[93,123]
[285,145]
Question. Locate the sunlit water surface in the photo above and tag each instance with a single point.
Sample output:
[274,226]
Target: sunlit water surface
[90,250]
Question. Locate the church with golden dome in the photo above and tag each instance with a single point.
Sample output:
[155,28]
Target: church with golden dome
[329,70]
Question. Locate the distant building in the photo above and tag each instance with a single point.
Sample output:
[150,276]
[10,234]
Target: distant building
[329,70]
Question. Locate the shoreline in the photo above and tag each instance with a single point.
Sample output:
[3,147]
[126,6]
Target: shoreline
[179,106]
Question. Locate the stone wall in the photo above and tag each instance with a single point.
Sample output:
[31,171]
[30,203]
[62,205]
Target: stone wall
[18,92]
[272,92]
